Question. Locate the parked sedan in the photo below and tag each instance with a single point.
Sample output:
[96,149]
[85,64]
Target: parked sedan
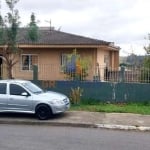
[21,96]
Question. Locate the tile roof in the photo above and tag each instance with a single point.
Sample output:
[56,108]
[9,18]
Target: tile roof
[55,37]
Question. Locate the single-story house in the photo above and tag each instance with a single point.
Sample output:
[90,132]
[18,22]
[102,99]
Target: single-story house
[50,50]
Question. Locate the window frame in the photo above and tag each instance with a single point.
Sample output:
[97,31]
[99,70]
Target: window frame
[63,59]
[106,60]
[30,65]
[19,94]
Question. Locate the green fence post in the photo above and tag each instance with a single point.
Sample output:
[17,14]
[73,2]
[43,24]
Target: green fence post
[122,74]
[35,73]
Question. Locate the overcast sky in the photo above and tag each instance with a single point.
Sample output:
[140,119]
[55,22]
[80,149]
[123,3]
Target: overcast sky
[124,22]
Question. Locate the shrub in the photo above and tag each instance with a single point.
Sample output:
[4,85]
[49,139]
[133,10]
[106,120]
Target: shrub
[75,95]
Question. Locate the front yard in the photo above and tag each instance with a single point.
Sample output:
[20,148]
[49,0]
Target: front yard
[137,108]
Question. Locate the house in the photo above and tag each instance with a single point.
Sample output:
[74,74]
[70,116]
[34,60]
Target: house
[49,52]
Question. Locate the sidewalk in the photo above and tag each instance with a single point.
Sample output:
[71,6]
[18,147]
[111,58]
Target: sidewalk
[122,121]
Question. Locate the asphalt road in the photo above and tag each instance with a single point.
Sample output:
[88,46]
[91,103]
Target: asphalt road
[25,137]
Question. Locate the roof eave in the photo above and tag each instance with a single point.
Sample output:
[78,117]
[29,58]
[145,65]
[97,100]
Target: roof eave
[57,46]
[109,47]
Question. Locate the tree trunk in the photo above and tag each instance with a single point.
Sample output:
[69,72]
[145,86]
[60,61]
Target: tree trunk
[9,72]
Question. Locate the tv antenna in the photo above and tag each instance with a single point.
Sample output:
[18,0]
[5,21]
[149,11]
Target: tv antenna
[50,23]
[52,27]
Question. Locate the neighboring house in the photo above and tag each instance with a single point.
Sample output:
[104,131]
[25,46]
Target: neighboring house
[49,52]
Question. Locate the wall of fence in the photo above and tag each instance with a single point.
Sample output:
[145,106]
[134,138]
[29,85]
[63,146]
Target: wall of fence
[123,85]
[102,91]
[109,91]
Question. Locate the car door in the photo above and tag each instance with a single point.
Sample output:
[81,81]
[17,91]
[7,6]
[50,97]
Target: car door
[17,100]
[3,96]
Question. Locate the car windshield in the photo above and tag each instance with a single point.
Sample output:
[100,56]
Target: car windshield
[32,87]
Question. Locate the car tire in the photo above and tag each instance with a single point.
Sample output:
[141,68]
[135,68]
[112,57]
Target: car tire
[43,112]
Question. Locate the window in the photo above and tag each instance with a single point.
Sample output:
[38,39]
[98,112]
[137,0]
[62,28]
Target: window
[32,87]
[63,59]
[68,62]
[16,89]
[28,61]
[68,57]
[106,59]
[3,88]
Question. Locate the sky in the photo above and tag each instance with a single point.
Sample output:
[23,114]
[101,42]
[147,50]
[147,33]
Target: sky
[124,22]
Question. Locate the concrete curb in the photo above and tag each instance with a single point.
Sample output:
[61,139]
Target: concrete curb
[83,125]
[123,127]
[48,123]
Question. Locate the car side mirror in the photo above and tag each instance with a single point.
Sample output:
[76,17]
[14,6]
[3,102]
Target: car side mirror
[25,94]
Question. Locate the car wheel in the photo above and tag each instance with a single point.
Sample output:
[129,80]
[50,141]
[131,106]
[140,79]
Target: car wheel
[43,112]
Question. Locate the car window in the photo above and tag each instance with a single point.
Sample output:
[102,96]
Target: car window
[16,89]
[32,87]
[3,88]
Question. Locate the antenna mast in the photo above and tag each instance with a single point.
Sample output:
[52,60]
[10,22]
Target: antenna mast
[50,23]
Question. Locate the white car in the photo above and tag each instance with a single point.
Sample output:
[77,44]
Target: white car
[21,96]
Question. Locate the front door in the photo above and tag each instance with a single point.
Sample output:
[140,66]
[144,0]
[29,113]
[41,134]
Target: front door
[17,101]
[3,96]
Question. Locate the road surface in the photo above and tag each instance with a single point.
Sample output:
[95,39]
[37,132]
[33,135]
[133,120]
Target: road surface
[28,137]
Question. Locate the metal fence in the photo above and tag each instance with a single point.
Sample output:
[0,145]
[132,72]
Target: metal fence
[128,74]
[104,74]
[108,74]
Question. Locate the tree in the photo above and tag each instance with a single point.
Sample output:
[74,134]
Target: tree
[76,68]
[147,48]
[1,29]
[145,75]
[33,29]
[147,58]
[8,33]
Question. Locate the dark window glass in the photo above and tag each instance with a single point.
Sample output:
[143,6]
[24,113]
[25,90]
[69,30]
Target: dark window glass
[28,61]
[3,88]
[16,89]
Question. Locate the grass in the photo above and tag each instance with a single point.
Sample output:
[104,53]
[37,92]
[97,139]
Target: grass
[137,108]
